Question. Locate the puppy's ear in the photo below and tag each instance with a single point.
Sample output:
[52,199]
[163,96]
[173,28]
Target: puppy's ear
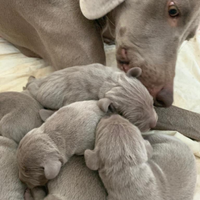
[45,114]
[52,168]
[91,159]
[106,105]
[149,148]
[134,72]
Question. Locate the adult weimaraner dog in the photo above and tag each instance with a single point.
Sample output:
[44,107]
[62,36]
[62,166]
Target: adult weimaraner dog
[147,34]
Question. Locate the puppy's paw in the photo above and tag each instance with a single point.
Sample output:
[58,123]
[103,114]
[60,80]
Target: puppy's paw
[28,195]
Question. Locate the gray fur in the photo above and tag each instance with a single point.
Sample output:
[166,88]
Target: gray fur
[69,131]
[128,171]
[70,39]
[57,31]
[10,186]
[74,182]
[92,82]
[19,113]
[37,193]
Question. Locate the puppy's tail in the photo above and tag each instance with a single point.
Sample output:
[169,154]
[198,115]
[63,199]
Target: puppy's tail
[30,80]
[32,86]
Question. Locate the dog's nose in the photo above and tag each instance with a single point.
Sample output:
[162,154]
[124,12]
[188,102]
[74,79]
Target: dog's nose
[164,97]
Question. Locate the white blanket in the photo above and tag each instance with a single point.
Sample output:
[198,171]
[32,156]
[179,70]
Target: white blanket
[15,69]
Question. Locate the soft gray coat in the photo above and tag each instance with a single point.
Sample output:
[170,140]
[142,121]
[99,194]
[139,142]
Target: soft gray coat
[131,169]
[10,186]
[67,33]
[57,31]
[75,182]
[92,82]
[19,113]
[69,131]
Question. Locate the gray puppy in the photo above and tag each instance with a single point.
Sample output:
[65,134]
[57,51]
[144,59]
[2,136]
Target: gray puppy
[131,169]
[19,113]
[74,182]
[69,131]
[93,82]
[10,186]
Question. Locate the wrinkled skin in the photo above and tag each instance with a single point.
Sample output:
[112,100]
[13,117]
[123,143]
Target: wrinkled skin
[148,36]
[145,34]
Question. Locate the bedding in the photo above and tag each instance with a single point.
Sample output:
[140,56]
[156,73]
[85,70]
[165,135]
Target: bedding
[15,68]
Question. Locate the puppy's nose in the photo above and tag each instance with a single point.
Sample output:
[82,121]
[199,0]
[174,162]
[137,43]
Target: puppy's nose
[154,120]
[153,123]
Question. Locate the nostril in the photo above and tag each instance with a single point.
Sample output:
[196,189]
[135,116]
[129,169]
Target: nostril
[164,98]
[159,103]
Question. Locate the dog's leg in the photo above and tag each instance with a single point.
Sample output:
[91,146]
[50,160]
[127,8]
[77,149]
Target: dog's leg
[183,121]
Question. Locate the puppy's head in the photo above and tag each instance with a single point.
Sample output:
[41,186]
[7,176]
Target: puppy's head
[133,101]
[118,143]
[38,159]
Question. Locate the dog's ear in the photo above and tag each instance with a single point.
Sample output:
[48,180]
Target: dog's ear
[92,159]
[134,72]
[95,9]
[45,114]
[106,105]
[149,148]
[52,168]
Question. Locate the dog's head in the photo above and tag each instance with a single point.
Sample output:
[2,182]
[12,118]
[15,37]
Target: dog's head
[148,35]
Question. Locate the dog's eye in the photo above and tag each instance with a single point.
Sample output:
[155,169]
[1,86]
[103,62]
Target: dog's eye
[173,11]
